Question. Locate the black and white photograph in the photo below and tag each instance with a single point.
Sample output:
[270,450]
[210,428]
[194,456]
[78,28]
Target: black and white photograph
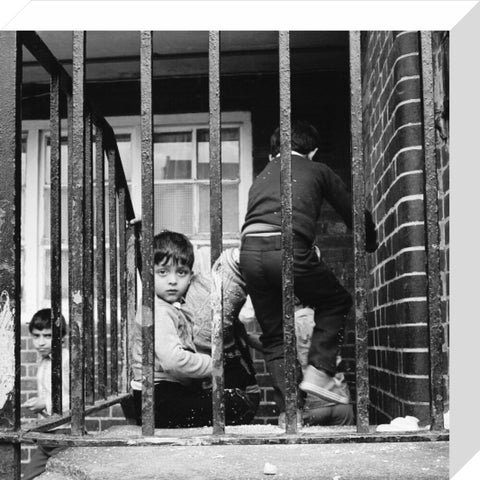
[225,251]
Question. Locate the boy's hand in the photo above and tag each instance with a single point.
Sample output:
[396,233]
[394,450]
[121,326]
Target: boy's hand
[371,243]
[35,404]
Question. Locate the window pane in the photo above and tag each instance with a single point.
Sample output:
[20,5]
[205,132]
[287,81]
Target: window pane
[124,149]
[64,217]
[174,208]
[230,208]
[230,153]
[172,155]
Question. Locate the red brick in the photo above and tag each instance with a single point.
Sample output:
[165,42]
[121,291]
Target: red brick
[414,389]
[28,384]
[264,380]
[415,363]
[111,422]
[406,336]
[29,357]
[92,425]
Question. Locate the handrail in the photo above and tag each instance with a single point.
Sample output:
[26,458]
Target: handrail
[120,201]
[38,48]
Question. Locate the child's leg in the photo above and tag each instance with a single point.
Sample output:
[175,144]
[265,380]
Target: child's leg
[261,265]
[179,406]
[317,287]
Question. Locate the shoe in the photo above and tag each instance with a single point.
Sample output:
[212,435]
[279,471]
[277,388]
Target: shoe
[281,420]
[320,384]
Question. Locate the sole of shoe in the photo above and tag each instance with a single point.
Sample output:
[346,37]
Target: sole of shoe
[323,393]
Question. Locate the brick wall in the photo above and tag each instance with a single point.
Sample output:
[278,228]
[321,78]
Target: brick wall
[398,332]
[441,102]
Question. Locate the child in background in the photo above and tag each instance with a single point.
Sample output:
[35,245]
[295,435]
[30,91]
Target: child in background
[40,328]
[225,278]
[317,411]
[180,400]
[314,283]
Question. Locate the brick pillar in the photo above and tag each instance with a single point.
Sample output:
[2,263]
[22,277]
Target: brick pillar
[397,301]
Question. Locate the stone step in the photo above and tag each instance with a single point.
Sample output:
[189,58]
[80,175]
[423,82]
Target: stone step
[340,461]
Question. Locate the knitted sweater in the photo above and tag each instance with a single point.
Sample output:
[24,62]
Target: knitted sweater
[176,359]
[312,182]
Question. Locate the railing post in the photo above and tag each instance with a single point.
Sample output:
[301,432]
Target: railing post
[432,237]
[148,295]
[10,248]
[56,244]
[218,390]
[287,235]
[100,263]
[88,314]
[122,232]
[131,287]
[76,238]
[360,268]
[112,245]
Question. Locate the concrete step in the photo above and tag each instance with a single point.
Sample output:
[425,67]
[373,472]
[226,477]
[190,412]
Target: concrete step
[339,461]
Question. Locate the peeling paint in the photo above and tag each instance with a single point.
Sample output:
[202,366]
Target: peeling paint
[77,297]
[7,346]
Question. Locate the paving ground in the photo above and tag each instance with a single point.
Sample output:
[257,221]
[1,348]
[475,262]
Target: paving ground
[339,461]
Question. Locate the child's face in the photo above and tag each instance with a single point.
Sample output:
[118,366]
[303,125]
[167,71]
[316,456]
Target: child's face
[171,280]
[42,341]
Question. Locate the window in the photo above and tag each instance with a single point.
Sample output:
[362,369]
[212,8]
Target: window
[181,188]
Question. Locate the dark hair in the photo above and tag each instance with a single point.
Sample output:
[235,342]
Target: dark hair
[42,320]
[172,245]
[304,138]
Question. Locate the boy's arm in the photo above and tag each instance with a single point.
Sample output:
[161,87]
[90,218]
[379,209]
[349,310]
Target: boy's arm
[171,353]
[337,194]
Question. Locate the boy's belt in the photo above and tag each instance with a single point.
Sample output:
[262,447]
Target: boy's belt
[251,241]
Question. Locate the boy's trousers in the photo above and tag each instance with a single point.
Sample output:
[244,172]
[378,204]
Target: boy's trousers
[314,285]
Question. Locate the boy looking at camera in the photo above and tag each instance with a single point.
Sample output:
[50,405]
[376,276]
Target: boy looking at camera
[180,400]
[40,328]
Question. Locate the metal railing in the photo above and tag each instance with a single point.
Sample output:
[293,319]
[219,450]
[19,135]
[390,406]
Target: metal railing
[87,264]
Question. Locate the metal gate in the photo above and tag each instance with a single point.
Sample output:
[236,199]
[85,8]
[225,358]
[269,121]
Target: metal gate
[88,392]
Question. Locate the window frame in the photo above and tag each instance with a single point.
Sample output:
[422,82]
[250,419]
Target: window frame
[33,201]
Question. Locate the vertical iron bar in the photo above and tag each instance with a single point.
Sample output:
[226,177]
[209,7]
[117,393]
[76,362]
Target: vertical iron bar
[287,236]
[432,237]
[76,237]
[100,263]
[358,182]
[69,207]
[10,244]
[88,313]
[122,222]
[218,403]
[112,222]
[56,244]
[131,286]
[148,297]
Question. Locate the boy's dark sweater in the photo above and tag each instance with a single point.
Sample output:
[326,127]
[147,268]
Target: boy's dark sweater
[312,182]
